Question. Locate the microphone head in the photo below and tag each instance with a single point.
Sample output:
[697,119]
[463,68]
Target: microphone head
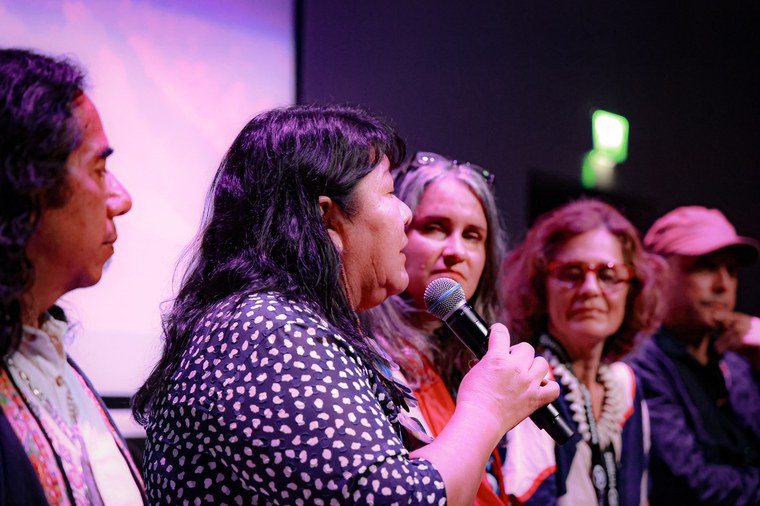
[443,296]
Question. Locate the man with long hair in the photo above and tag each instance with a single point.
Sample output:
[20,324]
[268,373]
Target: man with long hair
[57,203]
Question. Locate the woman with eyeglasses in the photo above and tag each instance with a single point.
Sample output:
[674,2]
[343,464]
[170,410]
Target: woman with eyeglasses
[456,232]
[581,289]
[269,391]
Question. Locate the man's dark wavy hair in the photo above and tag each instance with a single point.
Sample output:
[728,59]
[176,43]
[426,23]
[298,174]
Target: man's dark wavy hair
[263,227]
[37,133]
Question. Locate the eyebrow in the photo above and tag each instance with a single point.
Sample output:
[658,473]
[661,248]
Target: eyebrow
[105,153]
[447,219]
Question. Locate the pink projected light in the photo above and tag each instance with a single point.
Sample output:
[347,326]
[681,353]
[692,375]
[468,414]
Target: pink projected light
[174,83]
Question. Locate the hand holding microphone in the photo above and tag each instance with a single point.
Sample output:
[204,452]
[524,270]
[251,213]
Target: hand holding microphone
[445,300]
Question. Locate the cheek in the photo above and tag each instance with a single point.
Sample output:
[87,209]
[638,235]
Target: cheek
[555,305]
[618,309]
[418,253]
[478,263]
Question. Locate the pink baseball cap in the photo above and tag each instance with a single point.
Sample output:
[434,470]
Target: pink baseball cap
[696,231]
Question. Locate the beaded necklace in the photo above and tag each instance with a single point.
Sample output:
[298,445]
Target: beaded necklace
[70,431]
[603,464]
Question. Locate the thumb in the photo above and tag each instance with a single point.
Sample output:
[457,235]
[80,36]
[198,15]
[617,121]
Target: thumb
[499,338]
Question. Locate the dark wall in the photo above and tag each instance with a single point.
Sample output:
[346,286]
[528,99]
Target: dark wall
[511,86]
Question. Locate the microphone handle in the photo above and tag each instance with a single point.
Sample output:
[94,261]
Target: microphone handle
[470,328]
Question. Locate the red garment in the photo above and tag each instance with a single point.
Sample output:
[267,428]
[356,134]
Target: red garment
[437,407]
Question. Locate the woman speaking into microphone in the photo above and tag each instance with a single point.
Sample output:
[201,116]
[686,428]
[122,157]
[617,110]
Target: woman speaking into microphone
[269,391]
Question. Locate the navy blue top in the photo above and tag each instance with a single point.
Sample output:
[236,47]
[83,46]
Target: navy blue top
[693,459]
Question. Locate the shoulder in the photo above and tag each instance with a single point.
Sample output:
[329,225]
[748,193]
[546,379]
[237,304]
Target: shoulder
[627,387]
[241,337]
[737,362]
[246,322]
[649,360]
[623,374]
[263,312]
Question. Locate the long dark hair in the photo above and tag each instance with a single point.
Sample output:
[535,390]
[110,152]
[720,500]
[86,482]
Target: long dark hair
[37,133]
[264,229]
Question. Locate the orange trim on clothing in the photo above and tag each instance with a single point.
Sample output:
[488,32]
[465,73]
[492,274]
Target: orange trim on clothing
[628,413]
[537,483]
[437,407]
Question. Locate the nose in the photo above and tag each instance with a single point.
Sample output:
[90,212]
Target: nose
[590,284]
[723,279]
[406,213]
[118,200]
[454,250]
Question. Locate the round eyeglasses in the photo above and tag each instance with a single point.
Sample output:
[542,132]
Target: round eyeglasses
[610,275]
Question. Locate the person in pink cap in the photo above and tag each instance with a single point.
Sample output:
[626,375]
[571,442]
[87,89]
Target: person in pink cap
[701,371]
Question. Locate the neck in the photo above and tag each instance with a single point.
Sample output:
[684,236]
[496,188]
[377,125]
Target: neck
[699,350]
[584,360]
[426,322]
[586,369]
[697,342]
[35,303]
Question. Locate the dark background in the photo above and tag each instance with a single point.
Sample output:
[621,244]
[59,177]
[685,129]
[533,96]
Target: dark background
[510,86]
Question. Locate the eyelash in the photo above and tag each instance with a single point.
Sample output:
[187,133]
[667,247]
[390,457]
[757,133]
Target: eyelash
[435,227]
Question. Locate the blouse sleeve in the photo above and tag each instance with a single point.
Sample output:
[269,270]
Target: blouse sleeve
[295,416]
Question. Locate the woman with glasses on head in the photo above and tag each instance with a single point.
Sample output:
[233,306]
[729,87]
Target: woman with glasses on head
[581,289]
[456,232]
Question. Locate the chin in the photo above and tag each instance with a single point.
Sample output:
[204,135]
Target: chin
[399,286]
[86,280]
[596,332]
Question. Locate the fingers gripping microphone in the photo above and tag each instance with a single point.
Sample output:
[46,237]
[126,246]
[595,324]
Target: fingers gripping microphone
[445,299]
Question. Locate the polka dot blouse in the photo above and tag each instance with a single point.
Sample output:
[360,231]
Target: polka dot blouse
[270,406]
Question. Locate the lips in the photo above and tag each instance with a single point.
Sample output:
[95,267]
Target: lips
[715,304]
[447,274]
[586,311]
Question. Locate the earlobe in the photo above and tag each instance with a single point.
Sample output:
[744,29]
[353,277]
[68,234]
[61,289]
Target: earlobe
[330,217]
[336,239]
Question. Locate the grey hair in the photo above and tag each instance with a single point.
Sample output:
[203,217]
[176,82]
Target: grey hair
[395,321]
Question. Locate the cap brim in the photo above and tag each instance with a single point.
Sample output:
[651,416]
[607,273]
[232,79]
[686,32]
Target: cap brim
[745,250]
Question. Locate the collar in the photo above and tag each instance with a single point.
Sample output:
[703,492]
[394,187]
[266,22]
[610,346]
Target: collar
[675,349]
[45,342]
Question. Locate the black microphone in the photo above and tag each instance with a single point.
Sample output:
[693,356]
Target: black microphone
[445,300]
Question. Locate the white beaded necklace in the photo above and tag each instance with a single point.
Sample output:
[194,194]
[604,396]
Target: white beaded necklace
[608,424]
[600,435]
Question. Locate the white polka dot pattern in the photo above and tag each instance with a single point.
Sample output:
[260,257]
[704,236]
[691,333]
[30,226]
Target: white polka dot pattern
[269,406]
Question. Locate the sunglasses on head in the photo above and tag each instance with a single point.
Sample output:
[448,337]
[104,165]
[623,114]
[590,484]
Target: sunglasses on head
[430,159]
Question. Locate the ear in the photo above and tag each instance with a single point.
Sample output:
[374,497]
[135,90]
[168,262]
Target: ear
[333,219]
